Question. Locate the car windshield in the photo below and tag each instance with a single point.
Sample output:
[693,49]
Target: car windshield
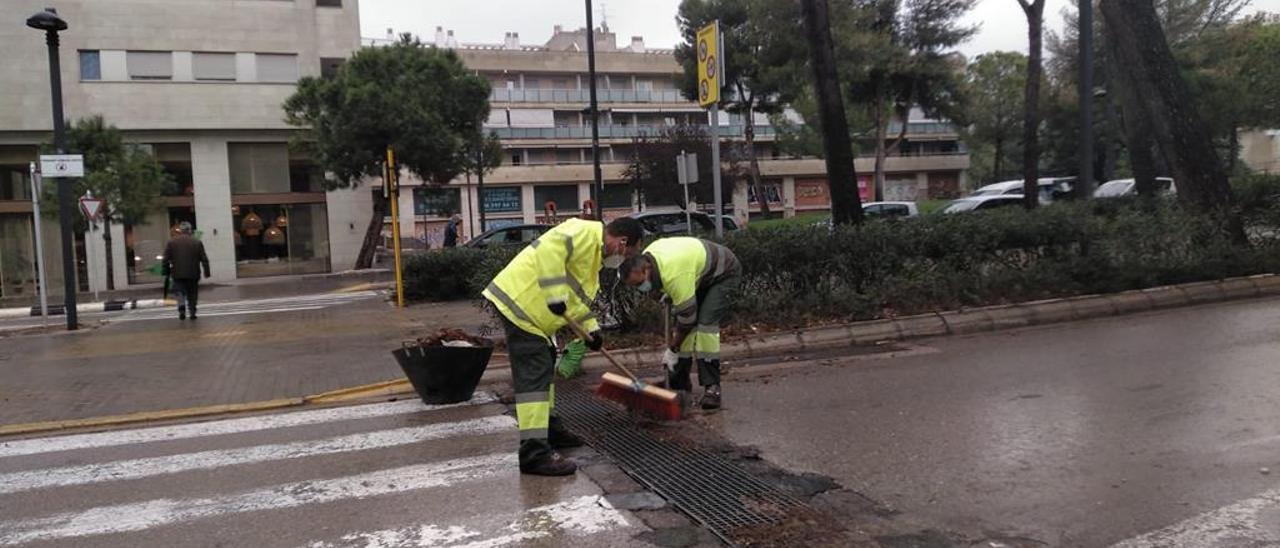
[988,192]
[1113,189]
[960,206]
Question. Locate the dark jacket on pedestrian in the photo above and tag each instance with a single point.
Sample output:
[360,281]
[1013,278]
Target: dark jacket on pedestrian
[451,233]
[183,258]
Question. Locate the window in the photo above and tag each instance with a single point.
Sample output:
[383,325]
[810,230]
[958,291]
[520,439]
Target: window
[150,65]
[517,158]
[328,3]
[616,197]
[259,167]
[564,196]
[214,66]
[644,85]
[329,66]
[436,202]
[274,67]
[90,65]
[564,156]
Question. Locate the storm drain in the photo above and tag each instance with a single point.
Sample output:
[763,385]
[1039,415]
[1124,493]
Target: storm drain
[715,492]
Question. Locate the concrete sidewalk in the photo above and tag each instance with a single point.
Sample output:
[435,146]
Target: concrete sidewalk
[130,367]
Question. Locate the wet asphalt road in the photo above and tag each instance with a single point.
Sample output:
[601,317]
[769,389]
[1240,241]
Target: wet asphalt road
[1081,434]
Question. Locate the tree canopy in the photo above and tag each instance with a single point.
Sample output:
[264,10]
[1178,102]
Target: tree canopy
[416,98]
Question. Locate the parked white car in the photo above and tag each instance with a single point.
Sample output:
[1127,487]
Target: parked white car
[889,210]
[1049,186]
[983,203]
[1129,187]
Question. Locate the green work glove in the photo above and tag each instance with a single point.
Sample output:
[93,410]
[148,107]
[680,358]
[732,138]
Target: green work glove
[570,364]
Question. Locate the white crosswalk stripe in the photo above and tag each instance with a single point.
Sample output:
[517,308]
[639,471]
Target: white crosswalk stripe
[257,306]
[378,475]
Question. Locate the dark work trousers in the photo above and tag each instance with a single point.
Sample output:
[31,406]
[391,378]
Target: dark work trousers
[533,365]
[187,292]
[713,306]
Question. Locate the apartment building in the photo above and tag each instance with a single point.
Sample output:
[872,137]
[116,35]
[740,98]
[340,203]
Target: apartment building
[539,101]
[200,85]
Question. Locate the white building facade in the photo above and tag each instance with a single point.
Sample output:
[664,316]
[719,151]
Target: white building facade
[199,84]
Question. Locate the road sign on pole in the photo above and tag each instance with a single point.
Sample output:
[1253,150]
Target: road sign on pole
[709,64]
[90,206]
[710,72]
[53,166]
[36,184]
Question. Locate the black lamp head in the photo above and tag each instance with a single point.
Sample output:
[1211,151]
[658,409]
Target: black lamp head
[47,20]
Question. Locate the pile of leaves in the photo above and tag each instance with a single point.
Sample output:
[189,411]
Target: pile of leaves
[452,334]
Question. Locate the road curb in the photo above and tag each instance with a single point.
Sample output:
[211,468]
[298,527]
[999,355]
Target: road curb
[975,320]
[148,416]
[114,305]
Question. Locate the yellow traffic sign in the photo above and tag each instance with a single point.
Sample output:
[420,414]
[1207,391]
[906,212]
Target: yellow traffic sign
[709,64]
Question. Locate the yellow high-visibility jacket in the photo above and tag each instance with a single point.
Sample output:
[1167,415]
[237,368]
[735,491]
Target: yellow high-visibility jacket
[561,266]
[685,265]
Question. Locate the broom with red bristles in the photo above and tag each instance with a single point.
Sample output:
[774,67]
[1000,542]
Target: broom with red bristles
[633,393]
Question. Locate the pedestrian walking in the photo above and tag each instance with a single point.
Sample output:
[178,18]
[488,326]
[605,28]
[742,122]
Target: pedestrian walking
[451,230]
[699,277]
[552,280]
[184,257]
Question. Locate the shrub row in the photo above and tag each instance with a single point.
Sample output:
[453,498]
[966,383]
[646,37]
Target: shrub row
[796,275]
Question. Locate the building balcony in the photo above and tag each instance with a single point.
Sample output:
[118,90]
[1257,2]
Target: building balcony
[610,132]
[584,96]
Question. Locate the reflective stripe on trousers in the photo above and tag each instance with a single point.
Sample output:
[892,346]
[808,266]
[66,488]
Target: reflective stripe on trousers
[703,343]
[533,413]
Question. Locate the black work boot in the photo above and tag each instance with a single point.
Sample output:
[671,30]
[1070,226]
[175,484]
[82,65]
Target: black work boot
[560,437]
[711,397]
[182,312]
[193,313]
[549,464]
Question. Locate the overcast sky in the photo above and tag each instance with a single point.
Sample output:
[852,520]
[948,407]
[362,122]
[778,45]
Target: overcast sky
[1002,25]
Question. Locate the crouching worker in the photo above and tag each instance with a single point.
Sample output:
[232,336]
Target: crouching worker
[552,280]
[699,277]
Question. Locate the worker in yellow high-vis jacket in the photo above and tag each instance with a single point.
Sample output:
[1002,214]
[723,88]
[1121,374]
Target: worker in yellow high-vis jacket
[699,277]
[553,279]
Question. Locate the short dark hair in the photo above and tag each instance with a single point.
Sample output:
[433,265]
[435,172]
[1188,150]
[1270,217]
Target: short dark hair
[626,227]
[633,263]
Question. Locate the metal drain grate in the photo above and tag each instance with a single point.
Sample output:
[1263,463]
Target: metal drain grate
[715,492]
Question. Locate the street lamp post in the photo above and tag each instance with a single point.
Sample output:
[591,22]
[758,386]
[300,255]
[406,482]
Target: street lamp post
[49,22]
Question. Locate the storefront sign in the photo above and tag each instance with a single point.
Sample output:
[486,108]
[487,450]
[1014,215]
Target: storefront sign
[504,199]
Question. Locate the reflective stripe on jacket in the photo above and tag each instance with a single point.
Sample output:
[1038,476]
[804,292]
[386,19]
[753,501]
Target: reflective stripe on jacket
[686,265]
[561,266]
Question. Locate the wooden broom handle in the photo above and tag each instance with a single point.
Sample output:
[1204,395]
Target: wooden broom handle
[577,329]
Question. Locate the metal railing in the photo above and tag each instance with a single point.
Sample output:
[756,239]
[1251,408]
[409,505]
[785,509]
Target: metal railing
[610,132]
[582,96]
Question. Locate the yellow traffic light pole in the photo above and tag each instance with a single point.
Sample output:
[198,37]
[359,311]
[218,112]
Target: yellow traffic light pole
[392,182]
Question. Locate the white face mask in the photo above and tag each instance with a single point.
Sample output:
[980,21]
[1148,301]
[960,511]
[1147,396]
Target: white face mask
[613,261]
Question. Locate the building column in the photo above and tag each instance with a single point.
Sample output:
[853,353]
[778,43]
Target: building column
[531,210]
[788,197]
[407,217]
[211,176]
[119,256]
[963,182]
[348,210]
[741,204]
[922,185]
[95,250]
[584,194]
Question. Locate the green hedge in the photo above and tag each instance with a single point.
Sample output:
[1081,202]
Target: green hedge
[797,274]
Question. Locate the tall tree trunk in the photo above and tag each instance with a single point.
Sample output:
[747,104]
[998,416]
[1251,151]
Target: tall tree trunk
[373,233]
[882,133]
[106,242]
[1031,113]
[846,206]
[1136,124]
[998,168]
[1178,129]
[750,132]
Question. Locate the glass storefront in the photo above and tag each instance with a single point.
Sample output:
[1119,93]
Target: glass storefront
[17,256]
[280,239]
[144,243]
